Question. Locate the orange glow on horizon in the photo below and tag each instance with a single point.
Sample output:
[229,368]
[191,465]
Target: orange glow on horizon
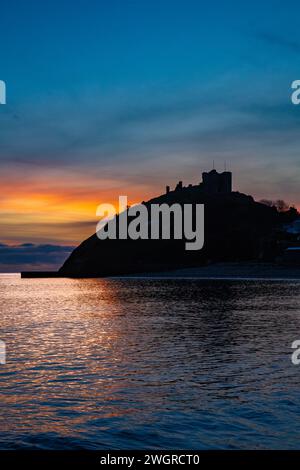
[60,206]
[58,209]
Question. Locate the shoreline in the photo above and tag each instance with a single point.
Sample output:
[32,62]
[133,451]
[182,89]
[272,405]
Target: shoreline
[227,272]
[198,278]
[217,271]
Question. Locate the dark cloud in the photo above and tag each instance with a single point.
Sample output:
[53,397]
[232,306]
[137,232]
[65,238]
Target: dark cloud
[14,258]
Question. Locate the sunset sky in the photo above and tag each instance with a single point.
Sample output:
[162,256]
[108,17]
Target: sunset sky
[106,98]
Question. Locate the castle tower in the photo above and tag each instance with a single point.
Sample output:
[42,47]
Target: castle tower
[214,182]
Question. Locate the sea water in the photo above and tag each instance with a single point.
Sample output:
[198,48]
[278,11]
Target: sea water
[149,364]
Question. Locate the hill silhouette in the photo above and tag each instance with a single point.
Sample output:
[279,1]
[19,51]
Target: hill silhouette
[237,228]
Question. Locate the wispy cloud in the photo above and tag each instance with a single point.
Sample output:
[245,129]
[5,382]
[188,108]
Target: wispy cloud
[281,41]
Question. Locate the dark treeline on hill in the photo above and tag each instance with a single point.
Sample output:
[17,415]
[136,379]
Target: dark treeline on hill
[236,229]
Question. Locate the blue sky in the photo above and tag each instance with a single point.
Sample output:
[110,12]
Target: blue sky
[104,96]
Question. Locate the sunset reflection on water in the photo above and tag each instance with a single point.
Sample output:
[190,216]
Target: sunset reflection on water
[148,364]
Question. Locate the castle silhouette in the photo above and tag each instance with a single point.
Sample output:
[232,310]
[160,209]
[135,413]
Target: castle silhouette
[212,183]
